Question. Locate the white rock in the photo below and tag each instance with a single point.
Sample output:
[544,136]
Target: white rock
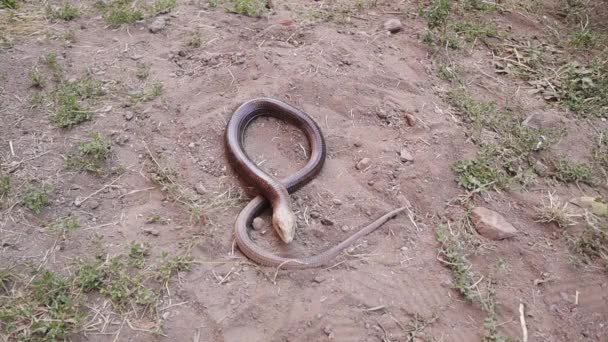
[393,25]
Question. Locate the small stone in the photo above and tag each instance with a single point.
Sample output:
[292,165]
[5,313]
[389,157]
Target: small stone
[258,223]
[406,156]
[191,145]
[150,231]
[357,144]
[128,116]
[106,109]
[93,204]
[327,329]
[491,224]
[540,168]
[382,114]
[363,164]
[410,119]
[157,25]
[315,214]
[336,201]
[319,279]
[200,188]
[393,25]
[344,228]
[137,57]
[181,53]
[327,222]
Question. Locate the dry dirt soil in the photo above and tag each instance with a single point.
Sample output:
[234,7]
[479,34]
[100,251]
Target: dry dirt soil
[167,185]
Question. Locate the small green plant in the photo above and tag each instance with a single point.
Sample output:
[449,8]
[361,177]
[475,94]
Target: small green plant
[5,187]
[90,156]
[70,36]
[37,79]
[37,198]
[90,275]
[163,6]
[584,89]
[480,174]
[8,4]
[455,259]
[478,5]
[583,39]
[68,110]
[593,242]
[251,8]
[50,59]
[476,112]
[472,30]
[168,266]
[213,3]
[137,254]
[600,151]
[447,73]
[147,94]
[121,12]
[437,13]
[569,171]
[65,224]
[195,41]
[66,12]
[142,72]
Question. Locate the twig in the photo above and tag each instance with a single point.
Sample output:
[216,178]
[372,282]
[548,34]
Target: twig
[10,144]
[79,200]
[522,320]
[136,191]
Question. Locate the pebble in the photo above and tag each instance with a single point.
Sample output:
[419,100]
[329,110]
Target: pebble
[382,114]
[336,201]
[319,279]
[363,164]
[157,25]
[327,222]
[315,214]
[258,223]
[345,228]
[200,188]
[128,116]
[393,25]
[410,119]
[406,156]
[191,145]
[93,204]
[491,224]
[151,231]
[137,57]
[540,168]
[106,109]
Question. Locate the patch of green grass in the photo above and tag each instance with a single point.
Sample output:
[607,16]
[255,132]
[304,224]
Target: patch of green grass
[8,4]
[91,155]
[472,30]
[46,309]
[5,187]
[250,8]
[66,12]
[36,198]
[68,108]
[137,254]
[478,5]
[37,79]
[584,89]
[600,151]
[213,3]
[163,6]
[170,265]
[65,224]
[583,40]
[50,59]
[455,259]
[90,275]
[569,171]
[447,73]
[475,111]
[147,94]
[593,243]
[437,13]
[482,173]
[121,12]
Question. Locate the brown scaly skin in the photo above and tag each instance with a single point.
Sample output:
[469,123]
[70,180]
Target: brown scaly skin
[276,192]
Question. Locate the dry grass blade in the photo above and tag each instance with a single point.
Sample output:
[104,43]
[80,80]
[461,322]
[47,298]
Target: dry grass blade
[554,211]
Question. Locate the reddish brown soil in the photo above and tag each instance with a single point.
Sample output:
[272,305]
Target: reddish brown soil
[343,75]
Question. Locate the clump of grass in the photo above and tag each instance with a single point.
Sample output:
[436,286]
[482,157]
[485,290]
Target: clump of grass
[50,59]
[583,40]
[585,89]
[90,155]
[120,12]
[68,109]
[66,12]
[437,13]
[5,187]
[476,112]
[142,72]
[163,6]
[472,30]
[65,224]
[36,198]
[37,79]
[250,8]
[593,242]
[569,171]
[49,308]
[147,94]
[600,151]
[480,174]
[171,265]
[478,5]
[554,211]
[8,4]
[455,259]
[194,41]
[447,73]
[137,254]
[213,3]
